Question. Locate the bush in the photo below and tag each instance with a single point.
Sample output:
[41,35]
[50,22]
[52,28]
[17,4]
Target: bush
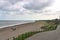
[50,26]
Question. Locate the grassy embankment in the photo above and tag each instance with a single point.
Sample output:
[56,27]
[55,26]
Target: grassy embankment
[51,25]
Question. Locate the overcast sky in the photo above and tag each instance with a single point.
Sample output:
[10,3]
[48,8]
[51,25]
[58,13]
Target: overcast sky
[29,9]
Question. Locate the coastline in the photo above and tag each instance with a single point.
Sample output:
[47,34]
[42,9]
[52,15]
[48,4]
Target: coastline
[14,31]
[15,24]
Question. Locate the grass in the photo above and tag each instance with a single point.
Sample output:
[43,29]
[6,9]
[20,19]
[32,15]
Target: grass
[50,26]
[26,35]
[29,34]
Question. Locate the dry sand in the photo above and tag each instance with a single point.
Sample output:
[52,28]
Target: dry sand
[14,31]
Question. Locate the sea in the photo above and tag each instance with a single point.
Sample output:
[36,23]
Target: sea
[8,23]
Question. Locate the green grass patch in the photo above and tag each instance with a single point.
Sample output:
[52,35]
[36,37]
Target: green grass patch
[50,27]
[26,35]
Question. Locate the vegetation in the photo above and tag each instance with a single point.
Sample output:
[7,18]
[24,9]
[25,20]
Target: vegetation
[51,25]
[26,35]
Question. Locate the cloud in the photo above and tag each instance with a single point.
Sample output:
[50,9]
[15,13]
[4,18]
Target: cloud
[14,5]
[5,4]
[37,4]
[23,9]
[14,1]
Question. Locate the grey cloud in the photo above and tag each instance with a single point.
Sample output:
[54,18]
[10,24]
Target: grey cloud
[4,3]
[37,4]
[7,3]
[14,1]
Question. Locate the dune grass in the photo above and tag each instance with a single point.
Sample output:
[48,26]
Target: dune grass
[26,35]
[50,26]
[29,34]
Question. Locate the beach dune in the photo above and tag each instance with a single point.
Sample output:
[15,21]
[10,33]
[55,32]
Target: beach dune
[9,32]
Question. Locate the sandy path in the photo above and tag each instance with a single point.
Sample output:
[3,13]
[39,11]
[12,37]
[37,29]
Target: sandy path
[8,33]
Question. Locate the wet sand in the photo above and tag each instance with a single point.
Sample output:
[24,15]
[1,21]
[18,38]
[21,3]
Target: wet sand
[14,31]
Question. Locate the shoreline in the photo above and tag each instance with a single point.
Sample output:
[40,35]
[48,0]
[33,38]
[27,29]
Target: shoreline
[14,31]
[15,25]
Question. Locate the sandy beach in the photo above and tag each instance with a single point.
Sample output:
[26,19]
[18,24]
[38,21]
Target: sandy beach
[14,31]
